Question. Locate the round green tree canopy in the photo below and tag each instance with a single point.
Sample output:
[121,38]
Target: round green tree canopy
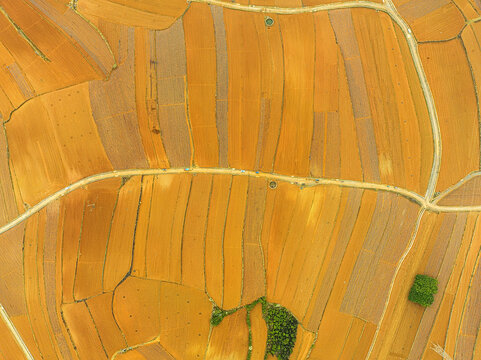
[281,330]
[423,290]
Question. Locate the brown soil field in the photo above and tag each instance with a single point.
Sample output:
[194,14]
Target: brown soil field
[166,161]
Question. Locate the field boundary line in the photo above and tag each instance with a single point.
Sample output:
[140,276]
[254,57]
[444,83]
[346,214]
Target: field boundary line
[24,36]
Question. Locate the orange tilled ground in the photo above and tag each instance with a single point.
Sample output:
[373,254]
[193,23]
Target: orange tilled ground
[130,267]
[103,273]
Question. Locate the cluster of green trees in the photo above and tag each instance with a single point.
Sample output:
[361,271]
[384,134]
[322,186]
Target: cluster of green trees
[423,290]
[281,330]
[281,327]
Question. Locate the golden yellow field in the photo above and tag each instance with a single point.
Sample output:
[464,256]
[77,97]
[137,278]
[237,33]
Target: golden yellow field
[173,173]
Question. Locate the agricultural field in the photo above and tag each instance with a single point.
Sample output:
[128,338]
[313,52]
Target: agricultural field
[248,179]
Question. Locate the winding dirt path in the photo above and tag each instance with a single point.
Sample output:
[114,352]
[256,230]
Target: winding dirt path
[300,181]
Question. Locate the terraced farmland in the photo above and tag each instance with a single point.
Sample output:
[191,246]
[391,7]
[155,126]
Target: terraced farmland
[171,171]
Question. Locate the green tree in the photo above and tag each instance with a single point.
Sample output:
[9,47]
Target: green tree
[423,290]
[281,330]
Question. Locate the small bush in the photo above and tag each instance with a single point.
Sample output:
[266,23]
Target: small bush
[423,290]
[281,330]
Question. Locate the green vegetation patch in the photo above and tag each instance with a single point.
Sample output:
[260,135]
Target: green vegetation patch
[423,290]
[218,315]
[281,327]
[281,330]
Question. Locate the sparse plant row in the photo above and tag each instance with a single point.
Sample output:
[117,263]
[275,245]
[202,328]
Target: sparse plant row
[281,327]
[249,308]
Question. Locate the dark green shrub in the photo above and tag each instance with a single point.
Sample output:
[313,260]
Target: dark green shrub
[423,290]
[269,21]
[281,330]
